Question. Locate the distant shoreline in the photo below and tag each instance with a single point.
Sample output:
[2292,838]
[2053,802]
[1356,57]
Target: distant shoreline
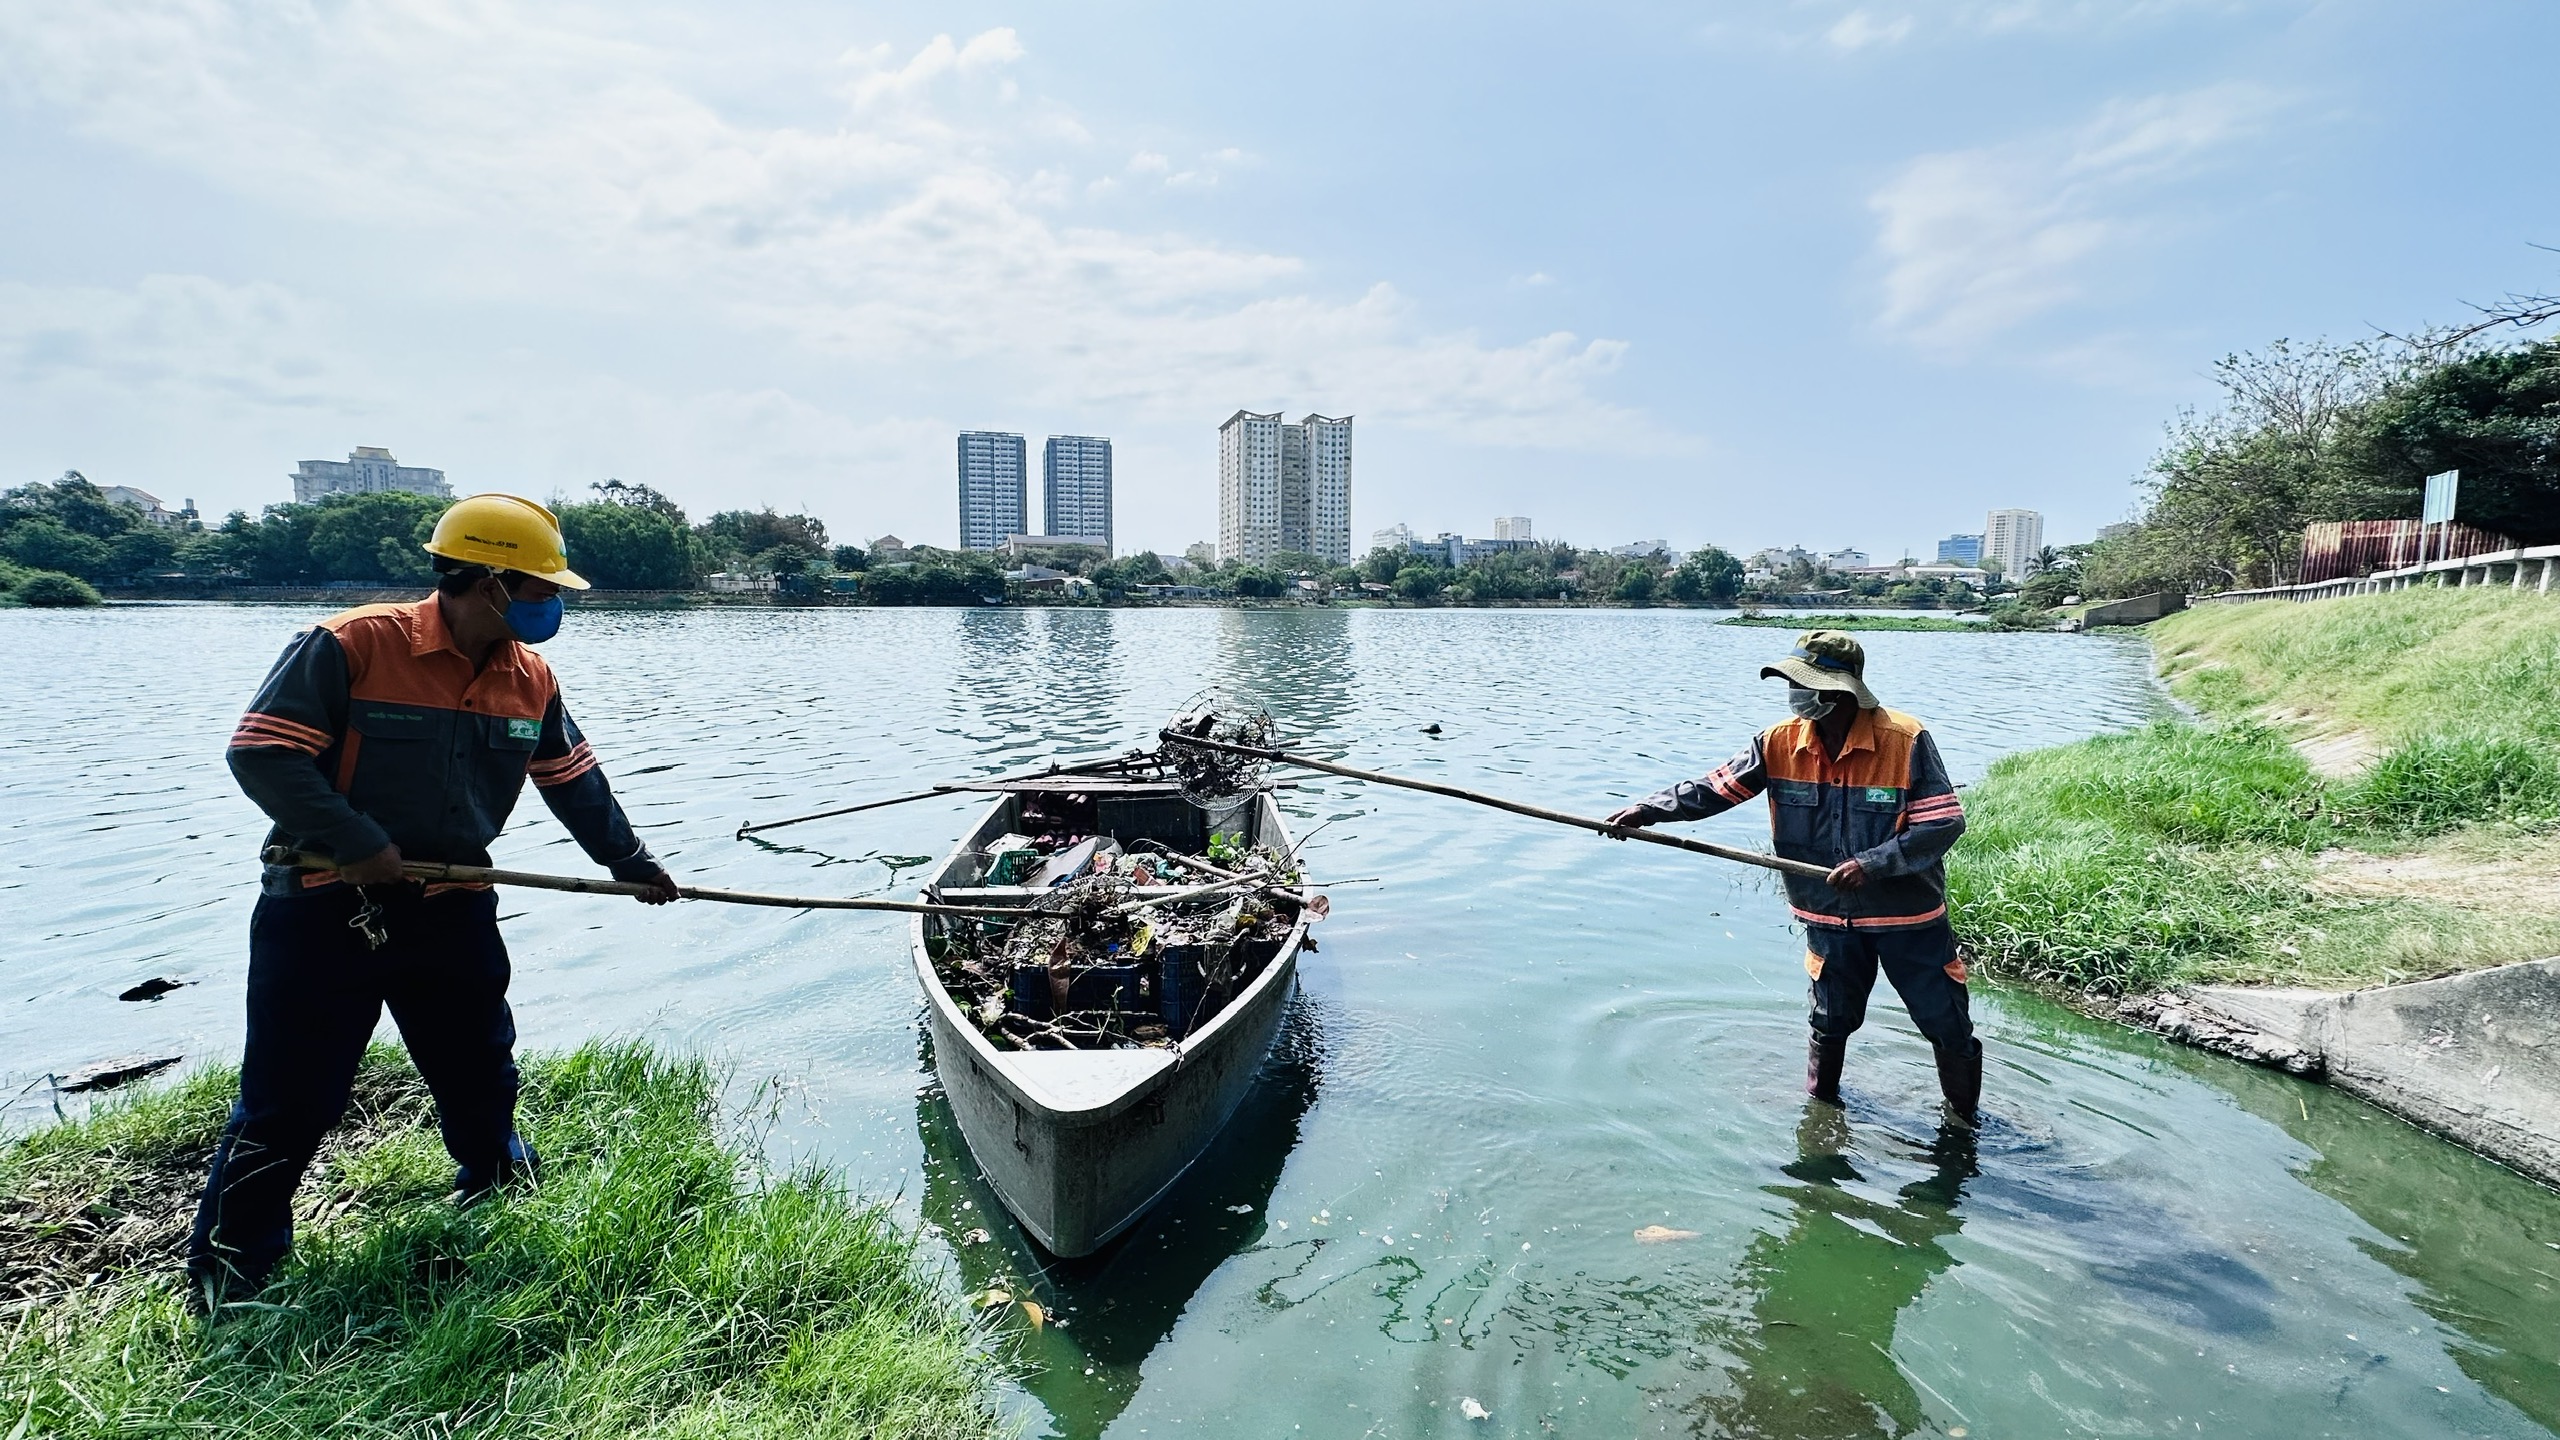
[1851,617]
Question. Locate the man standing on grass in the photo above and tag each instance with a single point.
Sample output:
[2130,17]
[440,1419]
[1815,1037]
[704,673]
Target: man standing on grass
[1859,789]
[385,734]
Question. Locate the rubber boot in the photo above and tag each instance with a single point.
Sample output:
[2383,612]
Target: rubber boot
[1823,1057]
[1960,1080]
[521,1162]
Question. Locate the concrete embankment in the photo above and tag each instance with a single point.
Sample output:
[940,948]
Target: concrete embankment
[2473,1057]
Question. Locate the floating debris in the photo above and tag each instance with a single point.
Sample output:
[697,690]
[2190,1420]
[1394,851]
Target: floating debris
[108,1074]
[1663,1235]
[152,989]
[1123,948]
[1473,1409]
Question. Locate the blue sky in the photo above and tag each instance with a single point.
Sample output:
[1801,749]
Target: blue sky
[1798,272]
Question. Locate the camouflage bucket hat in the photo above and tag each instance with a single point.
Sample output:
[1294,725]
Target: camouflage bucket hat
[1826,660]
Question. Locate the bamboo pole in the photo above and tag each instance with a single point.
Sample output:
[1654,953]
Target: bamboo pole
[955,788]
[440,873]
[1534,812]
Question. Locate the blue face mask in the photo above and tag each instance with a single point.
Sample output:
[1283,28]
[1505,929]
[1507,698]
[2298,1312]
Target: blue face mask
[534,621]
[1808,703]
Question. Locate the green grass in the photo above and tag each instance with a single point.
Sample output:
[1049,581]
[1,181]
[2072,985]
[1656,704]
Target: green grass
[2395,664]
[1864,621]
[656,1284]
[2187,852]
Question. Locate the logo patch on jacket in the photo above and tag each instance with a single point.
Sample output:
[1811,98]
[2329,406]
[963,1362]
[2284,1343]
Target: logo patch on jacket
[524,729]
[1882,795]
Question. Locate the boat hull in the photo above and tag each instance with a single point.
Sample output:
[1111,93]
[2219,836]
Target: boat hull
[1078,1144]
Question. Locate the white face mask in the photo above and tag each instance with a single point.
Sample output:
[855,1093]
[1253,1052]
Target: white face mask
[1809,704]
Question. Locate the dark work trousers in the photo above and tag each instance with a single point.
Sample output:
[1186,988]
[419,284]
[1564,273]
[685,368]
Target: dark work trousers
[316,991]
[1916,960]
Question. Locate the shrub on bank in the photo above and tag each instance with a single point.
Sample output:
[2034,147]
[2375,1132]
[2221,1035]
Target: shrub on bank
[20,585]
[655,1283]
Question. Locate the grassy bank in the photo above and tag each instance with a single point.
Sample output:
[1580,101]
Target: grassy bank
[2422,843]
[655,1284]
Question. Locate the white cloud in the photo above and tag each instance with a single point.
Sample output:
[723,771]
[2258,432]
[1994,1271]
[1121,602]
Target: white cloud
[1976,242]
[176,340]
[916,216]
[1848,26]
[1857,30]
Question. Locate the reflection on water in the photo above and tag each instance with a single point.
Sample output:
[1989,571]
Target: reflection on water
[1108,1311]
[1828,1289]
[2479,1246]
[1533,1043]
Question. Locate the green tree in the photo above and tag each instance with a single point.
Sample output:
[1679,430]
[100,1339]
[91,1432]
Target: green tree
[2493,415]
[141,551]
[1255,583]
[1707,576]
[1421,582]
[848,559]
[45,543]
[630,544]
[733,535]
[787,558]
[379,537]
[1636,587]
[935,577]
[73,503]
[1380,566]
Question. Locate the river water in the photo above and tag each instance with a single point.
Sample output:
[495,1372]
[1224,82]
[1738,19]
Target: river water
[1516,1049]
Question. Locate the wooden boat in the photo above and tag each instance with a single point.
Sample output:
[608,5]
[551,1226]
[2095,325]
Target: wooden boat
[1078,1143]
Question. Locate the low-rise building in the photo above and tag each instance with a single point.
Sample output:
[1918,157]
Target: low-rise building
[1513,527]
[153,512]
[1845,561]
[1053,546]
[1394,537]
[1952,574]
[889,549]
[1960,550]
[1638,549]
[745,582]
[1774,560]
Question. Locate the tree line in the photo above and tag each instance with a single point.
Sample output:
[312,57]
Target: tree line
[65,537]
[2306,433]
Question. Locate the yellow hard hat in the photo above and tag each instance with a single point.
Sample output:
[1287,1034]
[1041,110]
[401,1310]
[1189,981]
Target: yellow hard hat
[505,532]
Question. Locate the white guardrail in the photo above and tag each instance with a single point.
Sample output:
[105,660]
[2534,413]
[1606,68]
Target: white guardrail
[2527,568]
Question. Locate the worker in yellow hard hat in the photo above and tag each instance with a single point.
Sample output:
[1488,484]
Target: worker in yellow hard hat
[387,734]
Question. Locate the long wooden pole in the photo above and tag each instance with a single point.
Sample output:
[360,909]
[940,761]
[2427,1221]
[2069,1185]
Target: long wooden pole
[955,788]
[441,873]
[1534,812]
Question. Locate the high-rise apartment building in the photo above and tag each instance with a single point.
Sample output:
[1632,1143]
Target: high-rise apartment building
[367,470]
[993,502]
[2013,537]
[1075,484]
[1512,527]
[1960,550]
[1328,446]
[1284,487]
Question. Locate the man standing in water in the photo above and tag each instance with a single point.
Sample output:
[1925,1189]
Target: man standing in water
[1859,789]
[385,734]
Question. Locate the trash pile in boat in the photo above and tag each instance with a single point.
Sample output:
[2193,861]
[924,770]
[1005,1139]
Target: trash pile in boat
[1127,947]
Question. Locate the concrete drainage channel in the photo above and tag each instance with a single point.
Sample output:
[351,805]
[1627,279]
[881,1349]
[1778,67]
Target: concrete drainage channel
[2473,1057]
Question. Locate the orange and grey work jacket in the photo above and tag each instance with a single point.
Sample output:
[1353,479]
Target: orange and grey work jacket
[1885,802]
[374,729]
